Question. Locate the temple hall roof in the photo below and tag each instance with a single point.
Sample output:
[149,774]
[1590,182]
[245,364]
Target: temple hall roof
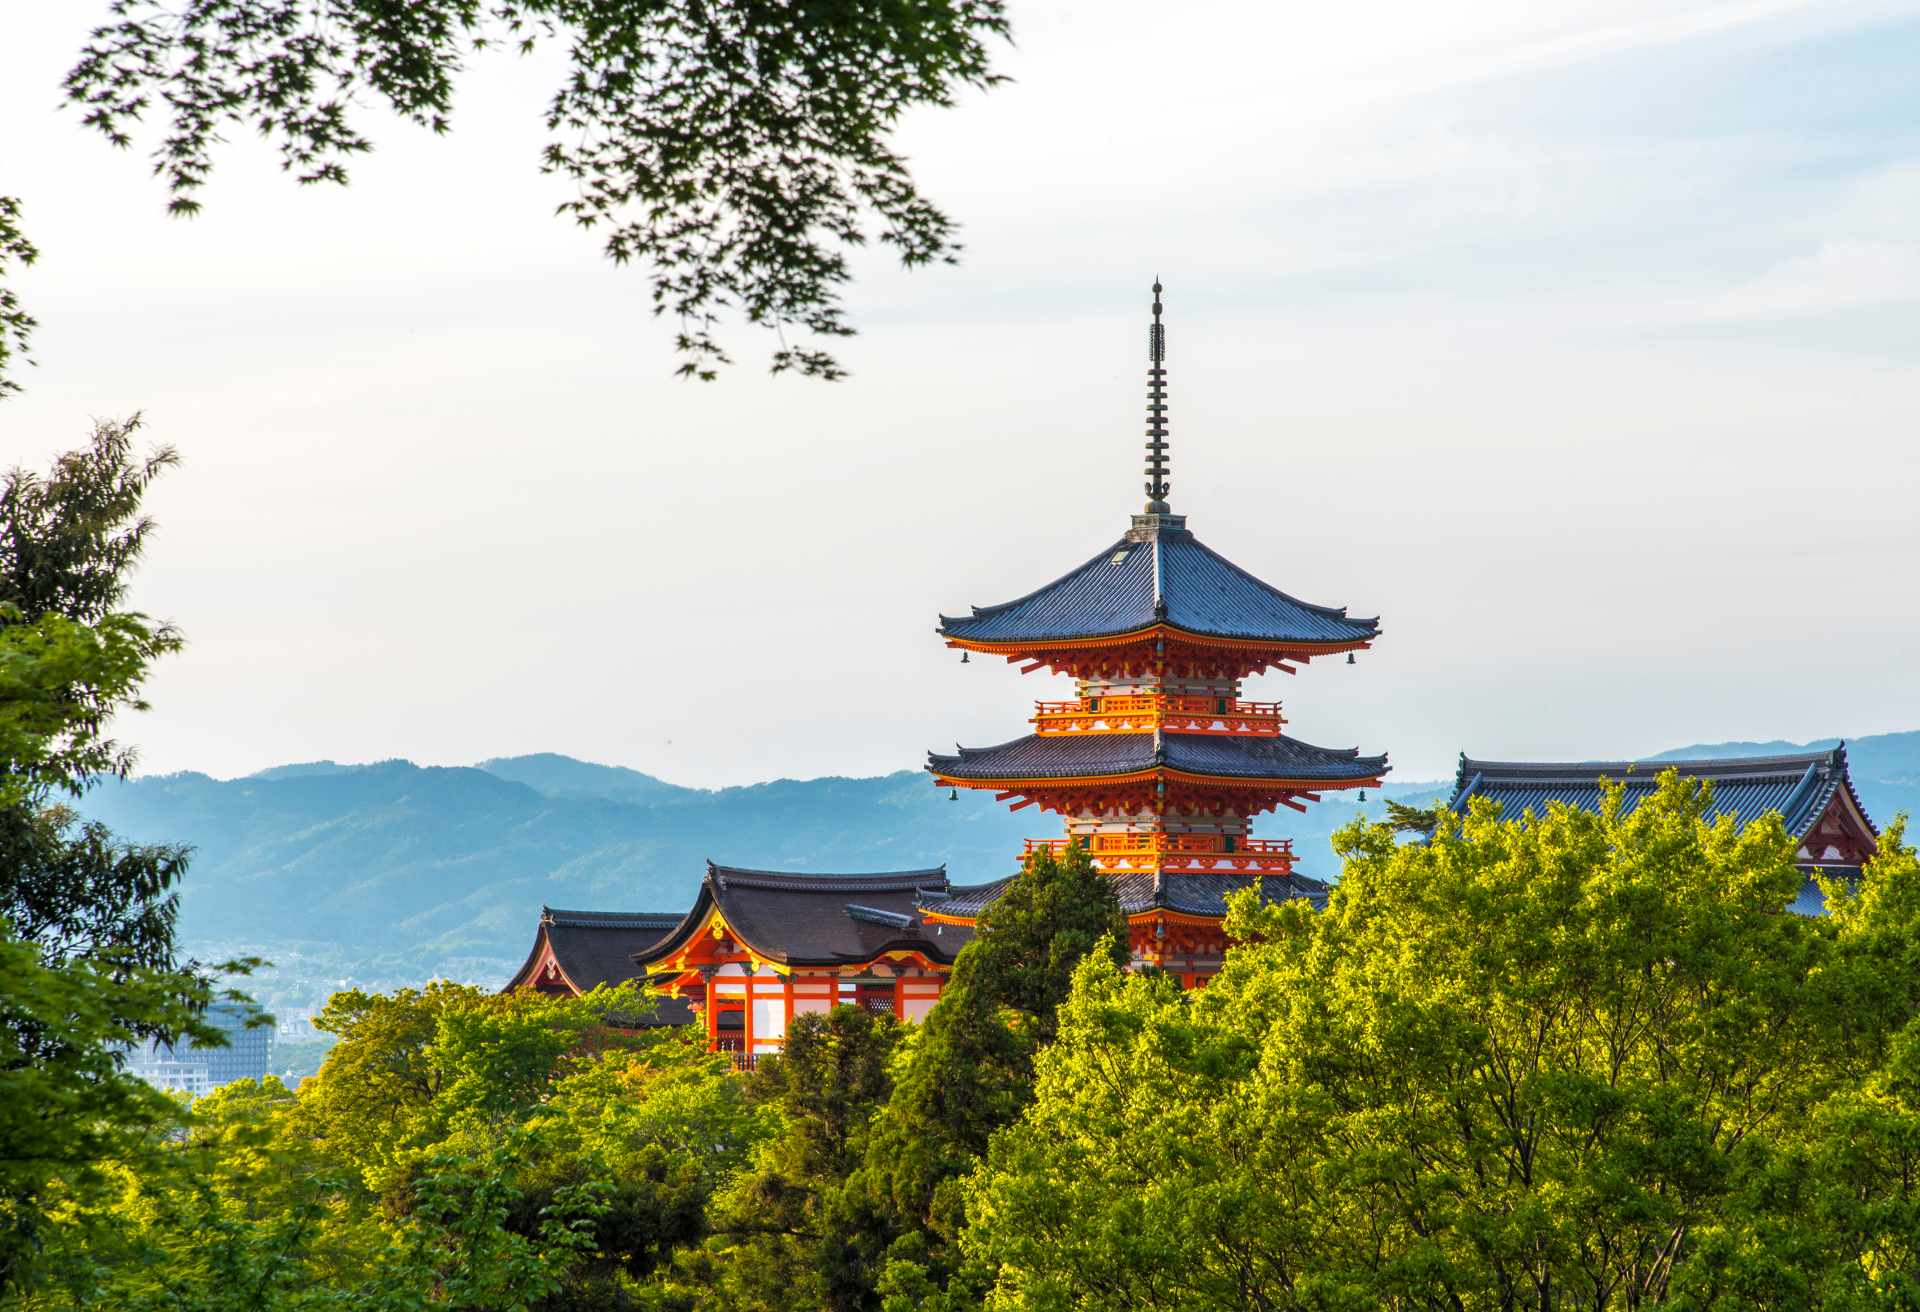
[596,947]
[1193,895]
[1055,756]
[805,919]
[1800,786]
[1166,576]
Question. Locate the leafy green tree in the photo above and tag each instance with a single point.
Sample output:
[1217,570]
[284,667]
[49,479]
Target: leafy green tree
[86,922]
[969,1072]
[70,656]
[656,1133]
[238,1215]
[740,150]
[414,1068]
[1566,1060]
[68,1110]
[459,1149]
[1409,819]
[786,1231]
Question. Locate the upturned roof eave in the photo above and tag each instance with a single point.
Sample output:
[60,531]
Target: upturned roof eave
[1369,631]
[1036,783]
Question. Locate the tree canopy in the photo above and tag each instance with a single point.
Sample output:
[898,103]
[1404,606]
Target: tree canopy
[1561,1060]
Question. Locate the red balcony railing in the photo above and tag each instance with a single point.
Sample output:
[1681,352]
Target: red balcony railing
[1178,853]
[1145,712]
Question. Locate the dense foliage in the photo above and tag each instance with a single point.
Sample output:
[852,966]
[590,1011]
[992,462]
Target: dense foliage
[459,1149]
[1586,1061]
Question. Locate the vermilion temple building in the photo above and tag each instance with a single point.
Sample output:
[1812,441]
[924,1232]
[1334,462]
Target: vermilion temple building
[1156,766]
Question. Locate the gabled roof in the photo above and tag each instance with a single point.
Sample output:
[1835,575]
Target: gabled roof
[1192,895]
[803,919]
[596,947]
[1057,756]
[1799,786]
[1164,577]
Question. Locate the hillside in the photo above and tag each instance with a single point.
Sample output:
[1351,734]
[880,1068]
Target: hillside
[432,869]
[390,872]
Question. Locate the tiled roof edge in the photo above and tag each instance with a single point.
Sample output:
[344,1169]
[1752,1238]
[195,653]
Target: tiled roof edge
[610,919]
[890,881]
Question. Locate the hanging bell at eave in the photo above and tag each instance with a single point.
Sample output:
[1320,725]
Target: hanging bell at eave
[953,794]
[1363,794]
[964,658]
[1351,660]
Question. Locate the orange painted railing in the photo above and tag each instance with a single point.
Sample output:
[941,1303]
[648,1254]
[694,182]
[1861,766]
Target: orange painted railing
[1178,853]
[1145,712]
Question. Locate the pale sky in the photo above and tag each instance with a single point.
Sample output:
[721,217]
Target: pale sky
[1577,341]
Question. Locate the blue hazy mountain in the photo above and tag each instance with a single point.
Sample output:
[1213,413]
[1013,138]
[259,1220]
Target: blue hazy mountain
[419,867]
[1886,766]
[456,862]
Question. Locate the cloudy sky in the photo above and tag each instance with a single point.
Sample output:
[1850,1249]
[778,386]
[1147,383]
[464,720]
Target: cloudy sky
[1576,340]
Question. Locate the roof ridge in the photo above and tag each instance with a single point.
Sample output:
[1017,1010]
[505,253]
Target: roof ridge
[558,916]
[1726,764]
[829,881]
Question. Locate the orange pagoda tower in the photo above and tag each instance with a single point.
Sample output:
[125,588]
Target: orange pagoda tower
[1156,765]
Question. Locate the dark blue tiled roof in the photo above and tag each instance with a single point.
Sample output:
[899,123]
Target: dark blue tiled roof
[814,919]
[1123,589]
[1798,786]
[1048,756]
[1193,895]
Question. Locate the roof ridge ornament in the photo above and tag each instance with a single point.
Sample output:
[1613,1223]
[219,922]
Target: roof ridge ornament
[1158,514]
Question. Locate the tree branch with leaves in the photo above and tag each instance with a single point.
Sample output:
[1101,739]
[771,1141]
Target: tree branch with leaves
[741,150]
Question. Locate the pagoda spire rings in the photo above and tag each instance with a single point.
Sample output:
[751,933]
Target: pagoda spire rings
[1158,473]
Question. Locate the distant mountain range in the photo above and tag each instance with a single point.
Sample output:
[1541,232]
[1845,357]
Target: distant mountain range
[431,869]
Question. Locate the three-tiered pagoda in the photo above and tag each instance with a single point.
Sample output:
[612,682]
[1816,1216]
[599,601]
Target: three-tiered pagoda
[1157,766]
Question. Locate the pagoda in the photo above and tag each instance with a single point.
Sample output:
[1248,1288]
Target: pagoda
[1157,765]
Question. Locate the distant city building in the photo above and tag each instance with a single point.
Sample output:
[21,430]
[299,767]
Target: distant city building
[188,1077]
[187,1068]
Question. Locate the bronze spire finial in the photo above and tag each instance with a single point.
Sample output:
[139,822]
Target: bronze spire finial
[1157,481]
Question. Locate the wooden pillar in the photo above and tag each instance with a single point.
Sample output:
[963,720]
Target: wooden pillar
[713,1011]
[746,1014]
[899,998]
